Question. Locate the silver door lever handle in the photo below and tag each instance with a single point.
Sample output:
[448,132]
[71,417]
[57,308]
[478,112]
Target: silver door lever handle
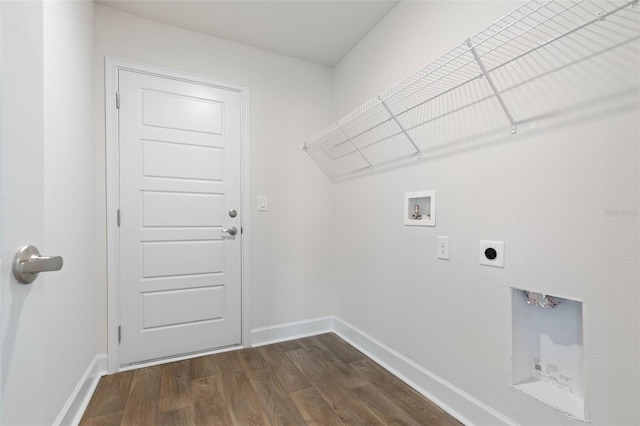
[40,264]
[231,231]
[28,263]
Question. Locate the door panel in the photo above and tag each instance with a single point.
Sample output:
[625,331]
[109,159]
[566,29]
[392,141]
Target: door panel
[205,303]
[166,259]
[174,111]
[176,209]
[179,174]
[198,162]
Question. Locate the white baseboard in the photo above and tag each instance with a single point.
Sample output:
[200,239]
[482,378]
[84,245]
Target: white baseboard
[79,400]
[450,398]
[293,330]
[456,402]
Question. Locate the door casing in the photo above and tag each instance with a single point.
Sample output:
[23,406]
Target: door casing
[112,66]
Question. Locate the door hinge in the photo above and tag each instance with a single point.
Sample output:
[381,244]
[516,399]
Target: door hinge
[118,217]
[118,100]
[119,333]
[241,230]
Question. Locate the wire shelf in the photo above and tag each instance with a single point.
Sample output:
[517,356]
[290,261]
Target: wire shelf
[491,81]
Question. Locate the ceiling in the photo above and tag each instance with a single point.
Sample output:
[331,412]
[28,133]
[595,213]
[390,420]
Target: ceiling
[320,31]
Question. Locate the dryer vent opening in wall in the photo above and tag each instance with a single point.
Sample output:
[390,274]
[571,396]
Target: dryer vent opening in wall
[548,350]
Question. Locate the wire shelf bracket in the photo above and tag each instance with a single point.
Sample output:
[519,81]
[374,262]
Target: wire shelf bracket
[356,147]
[485,74]
[402,129]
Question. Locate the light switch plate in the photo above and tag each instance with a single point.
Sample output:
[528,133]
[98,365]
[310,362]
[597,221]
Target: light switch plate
[443,248]
[492,253]
[263,203]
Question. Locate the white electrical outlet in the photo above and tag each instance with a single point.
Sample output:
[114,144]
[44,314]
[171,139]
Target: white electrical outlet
[443,248]
[492,253]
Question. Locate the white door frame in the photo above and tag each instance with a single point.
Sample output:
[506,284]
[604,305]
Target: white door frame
[112,66]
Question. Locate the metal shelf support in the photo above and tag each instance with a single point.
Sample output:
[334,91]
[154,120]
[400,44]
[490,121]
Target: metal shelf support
[514,126]
[418,152]
[356,147]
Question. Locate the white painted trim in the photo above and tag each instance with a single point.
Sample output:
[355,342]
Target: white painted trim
[245,213]
[455,401]
[293,330]
[112,65]
[72,412]
[178,358]
[113,239]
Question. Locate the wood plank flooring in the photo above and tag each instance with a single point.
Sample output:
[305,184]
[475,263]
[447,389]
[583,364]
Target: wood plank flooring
[319,380]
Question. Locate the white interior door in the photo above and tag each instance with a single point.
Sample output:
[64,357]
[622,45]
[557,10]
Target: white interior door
[23,306]
[180,264]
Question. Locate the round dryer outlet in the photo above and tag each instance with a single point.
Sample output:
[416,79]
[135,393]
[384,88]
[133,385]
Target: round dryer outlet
[492,253]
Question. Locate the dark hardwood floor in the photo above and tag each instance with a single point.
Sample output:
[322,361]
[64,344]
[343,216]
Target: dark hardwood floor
[318,380]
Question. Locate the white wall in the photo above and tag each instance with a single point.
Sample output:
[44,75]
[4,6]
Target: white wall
[544,191]
[291,244]
[410,37]
[70,324]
